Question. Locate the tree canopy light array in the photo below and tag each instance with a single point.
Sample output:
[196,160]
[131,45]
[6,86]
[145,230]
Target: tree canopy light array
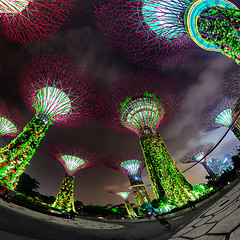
[235,116]
[131,163]
[125,27]
[141,103]
[170,26]
[29,21]
[13,7]
[224,117]
[124,196]
[198,155]
[230,86]
[231,89]
[221,114]
[59,93]
[73,159]
[10,121]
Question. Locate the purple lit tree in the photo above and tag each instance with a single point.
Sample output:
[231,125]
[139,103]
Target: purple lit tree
[131,163]
[231,83]
[199,155]
[29,21]
[141,103]
[10,121]
[231,89]
[235,115]
[59,93]
[73,159]
[124,196]
[218,115]
[124,26]
[147,30]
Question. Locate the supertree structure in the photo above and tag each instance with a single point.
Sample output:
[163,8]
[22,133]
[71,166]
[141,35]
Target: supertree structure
[231,89]
[73,158]
[60,93]
[141,103]
[124,26]
[132,164]
[29,21]
[220,114]
[10,121]
[124,196]
[170,26]
[236,118]
[199,155]
[231,84]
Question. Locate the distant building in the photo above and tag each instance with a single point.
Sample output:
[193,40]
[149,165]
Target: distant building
[216,165]
[227,163]
[219,166]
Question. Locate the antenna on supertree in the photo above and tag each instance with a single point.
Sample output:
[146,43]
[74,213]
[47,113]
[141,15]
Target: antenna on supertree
[73,158]
[198,155]
[141,103]
[171,26]
[29,21]
[131,163]
[10,121]
[220,114]
[124,26]
[124,196]
[60,93]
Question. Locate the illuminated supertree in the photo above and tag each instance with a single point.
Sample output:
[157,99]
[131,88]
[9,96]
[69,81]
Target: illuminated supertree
[231,83]
[141,28]
[231,89]
[218,115]
[197,155]
[73,159]
[141,103]
[29,21]
[60,93]
[235,115]
[124,196]
[125,28]
[10,121]
[131,163]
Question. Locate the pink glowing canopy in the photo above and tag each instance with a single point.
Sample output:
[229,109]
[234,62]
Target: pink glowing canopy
[11,121]
[140,102]
[29,21]
[74,158]
[58,90]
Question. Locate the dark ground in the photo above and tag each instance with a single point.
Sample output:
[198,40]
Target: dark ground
[15,225]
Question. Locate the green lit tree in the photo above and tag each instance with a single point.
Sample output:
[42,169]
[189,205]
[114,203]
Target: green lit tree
[148,32]
[59,93]
[132,164]
[221,114]
[199,155]
[124,196]
[73,159]
[10,121]
[140,103]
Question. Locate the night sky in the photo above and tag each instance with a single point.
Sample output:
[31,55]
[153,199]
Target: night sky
[81,40]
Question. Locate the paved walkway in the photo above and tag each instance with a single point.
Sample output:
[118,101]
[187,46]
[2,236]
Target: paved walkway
[219,222]
[78,222]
